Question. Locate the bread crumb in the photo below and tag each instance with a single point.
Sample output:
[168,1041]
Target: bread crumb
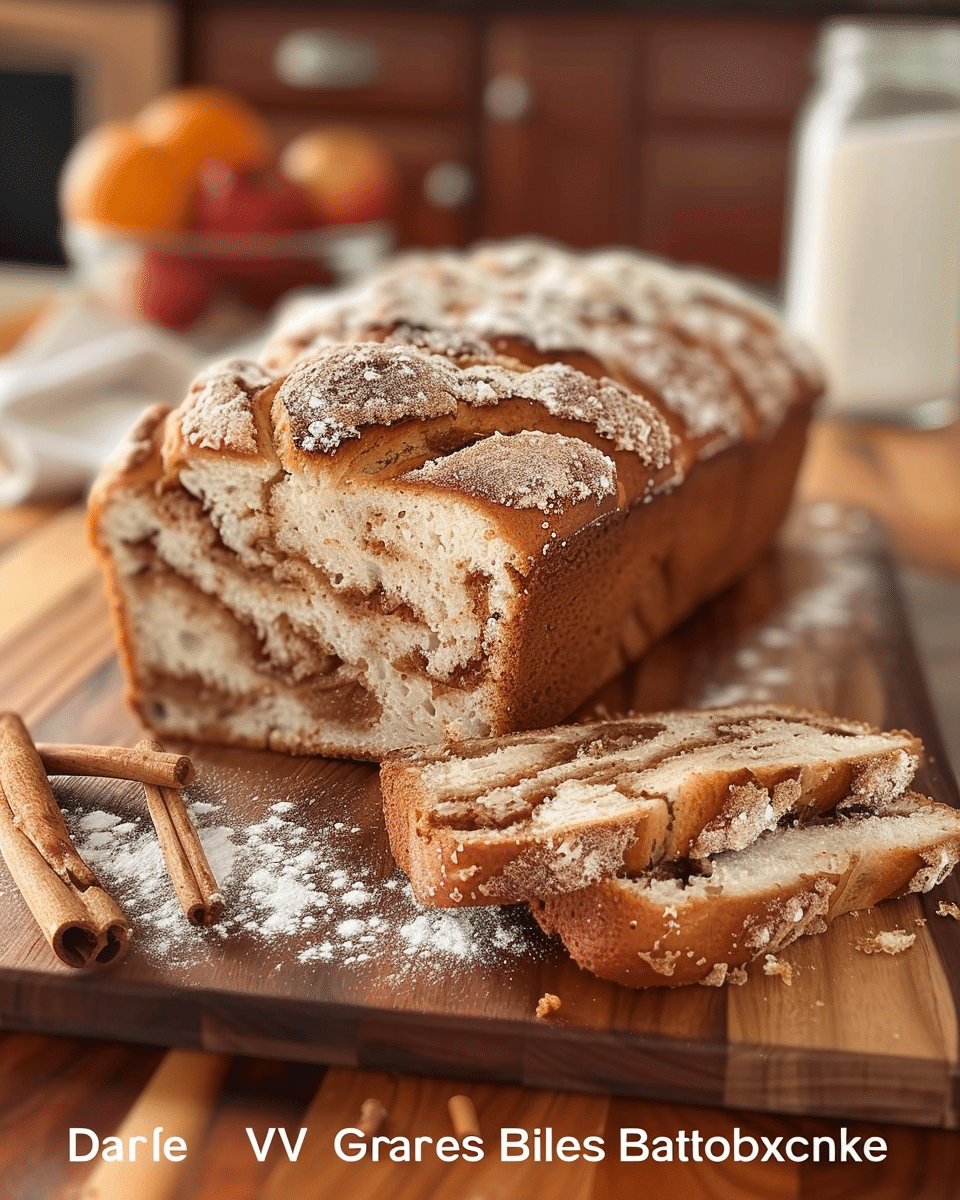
[819,1004]
[665,964]
[773,966]
[716,976]
[547,1005]
[947,909]
[721,973]
[919,920]
[891,941]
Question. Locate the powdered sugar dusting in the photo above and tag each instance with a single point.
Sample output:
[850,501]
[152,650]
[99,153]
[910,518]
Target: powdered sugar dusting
[218,411]
[709,353]
[299,894]
[816,618]
[331,396]
[627,419]
[693,383]
[527,470]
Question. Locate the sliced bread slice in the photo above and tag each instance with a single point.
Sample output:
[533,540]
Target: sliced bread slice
[668,930]
[498,821]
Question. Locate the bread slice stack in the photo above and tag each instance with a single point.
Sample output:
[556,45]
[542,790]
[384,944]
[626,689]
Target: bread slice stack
[672,848]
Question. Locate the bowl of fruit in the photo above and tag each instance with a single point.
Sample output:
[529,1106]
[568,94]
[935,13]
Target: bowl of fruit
[187,210]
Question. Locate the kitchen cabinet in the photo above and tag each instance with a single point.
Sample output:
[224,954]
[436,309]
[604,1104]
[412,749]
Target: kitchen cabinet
[670,135]
[406,77]
[559,164]
[594,127]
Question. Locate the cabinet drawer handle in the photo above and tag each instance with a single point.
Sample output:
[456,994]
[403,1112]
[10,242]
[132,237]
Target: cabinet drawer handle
[507,98]
[325,58]
[448,185]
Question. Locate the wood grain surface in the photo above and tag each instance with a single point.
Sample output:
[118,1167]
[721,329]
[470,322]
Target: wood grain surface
[909,478]
[817,623]
[101,1085]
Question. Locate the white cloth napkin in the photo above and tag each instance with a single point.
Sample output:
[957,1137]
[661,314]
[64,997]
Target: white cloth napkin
[73,387]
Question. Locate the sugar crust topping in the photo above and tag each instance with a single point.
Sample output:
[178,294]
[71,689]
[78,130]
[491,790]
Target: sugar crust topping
[333,395]
[341,389]
[218,410]
[567,471]
[704,346]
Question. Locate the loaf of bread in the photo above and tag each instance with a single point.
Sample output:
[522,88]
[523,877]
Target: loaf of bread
[499,821]
[450,504]
[700,926]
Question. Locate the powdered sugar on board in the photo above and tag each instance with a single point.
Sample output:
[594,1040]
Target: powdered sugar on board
[297,892]
[814,625]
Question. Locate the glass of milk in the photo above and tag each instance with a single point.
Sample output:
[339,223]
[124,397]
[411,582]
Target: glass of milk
[873,274]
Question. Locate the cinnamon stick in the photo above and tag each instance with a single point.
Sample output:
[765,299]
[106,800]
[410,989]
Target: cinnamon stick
[117,762]
[83,927]
[34,806]
[463,1116]
[193,880]
[373,1113]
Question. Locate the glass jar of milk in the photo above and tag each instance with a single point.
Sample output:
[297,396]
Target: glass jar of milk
[873,275]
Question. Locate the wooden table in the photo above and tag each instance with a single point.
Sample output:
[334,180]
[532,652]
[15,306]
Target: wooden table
[49,1085]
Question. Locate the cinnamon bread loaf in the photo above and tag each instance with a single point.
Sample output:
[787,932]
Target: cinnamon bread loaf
[450,504]
[501,820]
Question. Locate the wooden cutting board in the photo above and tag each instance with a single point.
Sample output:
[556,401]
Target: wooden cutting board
[326,958]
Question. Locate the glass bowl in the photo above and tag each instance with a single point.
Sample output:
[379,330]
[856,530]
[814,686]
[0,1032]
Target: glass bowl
[186,280]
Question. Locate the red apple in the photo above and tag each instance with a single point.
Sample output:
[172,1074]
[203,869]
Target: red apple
[234,201]
[230,201]
[349,174]
[171,290]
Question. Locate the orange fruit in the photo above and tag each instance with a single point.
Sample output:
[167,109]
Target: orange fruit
[202,123]
[349,174]
[113,177]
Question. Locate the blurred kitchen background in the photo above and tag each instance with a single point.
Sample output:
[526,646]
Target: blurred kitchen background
[663,126]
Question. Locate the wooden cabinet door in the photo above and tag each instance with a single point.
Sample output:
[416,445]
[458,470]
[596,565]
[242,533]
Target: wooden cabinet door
[672,135]
[409,63]
[717,100]
[559,164]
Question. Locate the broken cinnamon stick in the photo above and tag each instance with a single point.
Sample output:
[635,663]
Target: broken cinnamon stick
[463,1117]
[117,762]
[373,1113]
[82,927]
[34,806]
[193,880]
